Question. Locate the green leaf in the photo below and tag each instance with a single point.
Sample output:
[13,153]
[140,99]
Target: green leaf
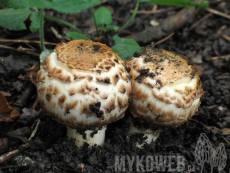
[77,36]
[103,16]
[35,21]
[125,47]
[114,27]
[43,55]
[14,19]
[71,6]
[181,3]
[23,3]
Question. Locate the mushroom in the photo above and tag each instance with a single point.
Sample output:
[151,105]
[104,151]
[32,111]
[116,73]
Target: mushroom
[166,91]
[85,86]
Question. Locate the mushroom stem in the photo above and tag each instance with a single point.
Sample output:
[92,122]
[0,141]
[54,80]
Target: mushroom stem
[91,137]
[148,133]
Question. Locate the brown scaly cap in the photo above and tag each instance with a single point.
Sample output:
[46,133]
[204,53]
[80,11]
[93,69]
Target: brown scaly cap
[166,90]
[83,84]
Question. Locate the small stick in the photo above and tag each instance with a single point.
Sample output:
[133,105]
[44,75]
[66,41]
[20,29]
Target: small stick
[154,7]
[35,130]
[39,111]
[119,19]
[25,41]
[154,12]
[218,13]
[217,57]
[222,28]
[35,103]
[225,37]
[11,48]
[9,155]
[199,21]
[154,44]
[225,139]
[55,32]
[169,25]
[14,136]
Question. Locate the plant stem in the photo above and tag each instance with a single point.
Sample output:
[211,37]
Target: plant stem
[41,30]
[102,29]
[63,22]
[131,19]
[94,19]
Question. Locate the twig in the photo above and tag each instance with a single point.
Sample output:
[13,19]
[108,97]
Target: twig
[169,25]
[18,50]
[25,41]
[225,140]
[217,57]
[222,28]
[35,130]
[14,136]
[39,111]
[155,11]
[35,103]
[118,19]
[154,7]
[55,32]
[63,22]
[218,13]
[30,46]
[9,155]
[197,122]
[199,21]
[154,44]
[225,37]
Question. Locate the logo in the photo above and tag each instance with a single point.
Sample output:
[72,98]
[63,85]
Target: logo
[149,163]
[205,153]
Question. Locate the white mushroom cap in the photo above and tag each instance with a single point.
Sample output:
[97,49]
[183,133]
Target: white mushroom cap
[83,84]
[166,90]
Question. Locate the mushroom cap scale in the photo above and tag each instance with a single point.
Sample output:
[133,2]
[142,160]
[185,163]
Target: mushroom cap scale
[166,89]
[83,84]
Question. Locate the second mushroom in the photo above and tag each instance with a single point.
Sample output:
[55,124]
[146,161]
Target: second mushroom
[166,91]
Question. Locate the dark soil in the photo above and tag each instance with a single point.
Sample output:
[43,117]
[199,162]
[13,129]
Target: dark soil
[50,151]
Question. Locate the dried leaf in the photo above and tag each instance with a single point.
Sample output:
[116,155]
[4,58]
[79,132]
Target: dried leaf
[4,106]
[7,113]
[224,131]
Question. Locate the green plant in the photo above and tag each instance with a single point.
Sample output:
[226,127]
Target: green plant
[122,49]
[13,18]
[179,3]
[104,18]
